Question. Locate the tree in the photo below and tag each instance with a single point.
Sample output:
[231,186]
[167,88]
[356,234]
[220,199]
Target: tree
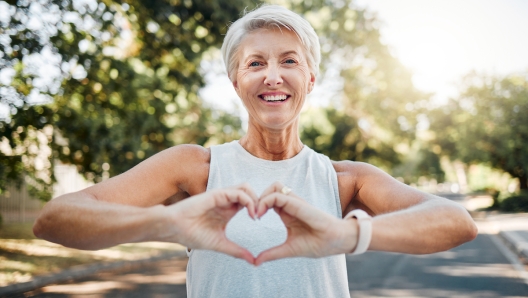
[125,77]
[375,106]
[487,124]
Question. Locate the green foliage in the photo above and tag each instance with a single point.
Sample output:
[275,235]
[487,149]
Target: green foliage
[125,88]
[487,124]
[420,162]
[343,140]
[515,204]
[376,107]
[123,80]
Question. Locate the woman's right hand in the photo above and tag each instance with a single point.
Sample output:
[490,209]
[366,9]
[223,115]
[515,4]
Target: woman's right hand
[199,222]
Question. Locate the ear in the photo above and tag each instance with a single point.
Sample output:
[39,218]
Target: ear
[311,83]
[235,85]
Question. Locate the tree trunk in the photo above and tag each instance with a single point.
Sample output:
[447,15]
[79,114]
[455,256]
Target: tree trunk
[523,182]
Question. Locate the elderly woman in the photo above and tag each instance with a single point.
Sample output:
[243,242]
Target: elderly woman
[264,197]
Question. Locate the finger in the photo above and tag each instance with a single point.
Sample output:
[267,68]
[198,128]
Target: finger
[277,187]
[278,252]
[292,206]
[248,190]
[272,200]
[274,187]
[230,248]
[278,200]
[229,197]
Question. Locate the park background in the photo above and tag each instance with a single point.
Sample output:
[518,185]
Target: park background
[432,92]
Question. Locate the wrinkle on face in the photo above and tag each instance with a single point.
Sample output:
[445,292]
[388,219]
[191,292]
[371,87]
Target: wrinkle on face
[273,51]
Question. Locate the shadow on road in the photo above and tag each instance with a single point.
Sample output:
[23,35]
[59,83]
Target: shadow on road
[160,279]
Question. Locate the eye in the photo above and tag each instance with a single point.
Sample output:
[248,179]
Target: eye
[290,61]
[254,63]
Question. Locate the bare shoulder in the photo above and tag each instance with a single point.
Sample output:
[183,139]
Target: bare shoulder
[185,161]
[348,173]
[168,176]
[354,173]
[347,167]
[187,154]
[192,163]
[364,186]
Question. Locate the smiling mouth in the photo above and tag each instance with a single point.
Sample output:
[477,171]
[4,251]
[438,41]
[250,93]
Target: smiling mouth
[274,98]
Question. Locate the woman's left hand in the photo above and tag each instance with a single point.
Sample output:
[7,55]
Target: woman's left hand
[311,232]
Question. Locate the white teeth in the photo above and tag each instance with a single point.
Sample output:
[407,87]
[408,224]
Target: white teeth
[274,97]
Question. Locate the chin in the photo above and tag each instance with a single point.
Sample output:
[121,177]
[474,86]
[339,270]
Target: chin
[277,123]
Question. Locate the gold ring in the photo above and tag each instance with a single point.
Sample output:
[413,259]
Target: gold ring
[286,190]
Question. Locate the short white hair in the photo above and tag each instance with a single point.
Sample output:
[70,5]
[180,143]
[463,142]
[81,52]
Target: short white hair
[270,16]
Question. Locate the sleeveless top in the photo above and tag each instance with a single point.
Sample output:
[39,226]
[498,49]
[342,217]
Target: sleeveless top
[312,177]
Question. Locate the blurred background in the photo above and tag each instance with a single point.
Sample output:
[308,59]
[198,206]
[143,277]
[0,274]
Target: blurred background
[433,93]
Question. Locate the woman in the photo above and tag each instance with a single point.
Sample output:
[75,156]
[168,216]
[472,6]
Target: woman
[272,57]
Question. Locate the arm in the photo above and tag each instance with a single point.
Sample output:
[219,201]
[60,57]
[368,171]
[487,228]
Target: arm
[122,208]
[79,220]
[127,208]
[405,219]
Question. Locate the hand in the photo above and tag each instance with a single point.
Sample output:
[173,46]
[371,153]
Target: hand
[311,232]
[200,221]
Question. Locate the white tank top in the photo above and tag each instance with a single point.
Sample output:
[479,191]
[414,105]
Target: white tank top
[312,177]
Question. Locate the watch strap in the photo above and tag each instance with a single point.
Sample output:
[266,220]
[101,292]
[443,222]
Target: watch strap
[365,230]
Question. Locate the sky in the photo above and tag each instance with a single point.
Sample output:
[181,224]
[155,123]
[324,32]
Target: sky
[439,41]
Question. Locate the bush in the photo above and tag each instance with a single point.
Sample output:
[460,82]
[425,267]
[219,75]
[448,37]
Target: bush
[517,203]
[495,195]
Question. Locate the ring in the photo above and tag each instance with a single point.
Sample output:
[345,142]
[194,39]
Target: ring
[286,190]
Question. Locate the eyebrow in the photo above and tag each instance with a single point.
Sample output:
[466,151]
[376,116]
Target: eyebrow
[286,53]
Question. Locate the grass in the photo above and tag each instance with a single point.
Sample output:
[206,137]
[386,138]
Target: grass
[23,256]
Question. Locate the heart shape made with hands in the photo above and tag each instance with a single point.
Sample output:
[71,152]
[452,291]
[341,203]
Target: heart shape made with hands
[282,225]
[256,235]
[298,229]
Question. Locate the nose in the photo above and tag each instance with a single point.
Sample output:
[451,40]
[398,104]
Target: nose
[273,76]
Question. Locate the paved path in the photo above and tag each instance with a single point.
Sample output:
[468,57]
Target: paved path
[475,269]
[161,279]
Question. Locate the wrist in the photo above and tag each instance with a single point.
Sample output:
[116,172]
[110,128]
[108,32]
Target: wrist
[161,224]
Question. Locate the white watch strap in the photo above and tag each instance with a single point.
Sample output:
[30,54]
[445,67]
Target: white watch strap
[365,230]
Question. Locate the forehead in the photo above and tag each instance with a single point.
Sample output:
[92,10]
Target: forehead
[273,41]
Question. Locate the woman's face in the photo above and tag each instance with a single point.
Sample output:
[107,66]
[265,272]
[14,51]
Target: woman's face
[273,77]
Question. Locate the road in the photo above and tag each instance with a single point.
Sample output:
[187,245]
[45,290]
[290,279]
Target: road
[475,269]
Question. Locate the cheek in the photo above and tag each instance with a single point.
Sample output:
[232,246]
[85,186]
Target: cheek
[241,75]
[245,78]
[303,75]
[244,83]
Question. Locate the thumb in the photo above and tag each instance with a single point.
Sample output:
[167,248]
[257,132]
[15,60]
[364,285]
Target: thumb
[278,252]
[230,248]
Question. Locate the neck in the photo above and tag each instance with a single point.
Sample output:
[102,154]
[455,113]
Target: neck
[272,144]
